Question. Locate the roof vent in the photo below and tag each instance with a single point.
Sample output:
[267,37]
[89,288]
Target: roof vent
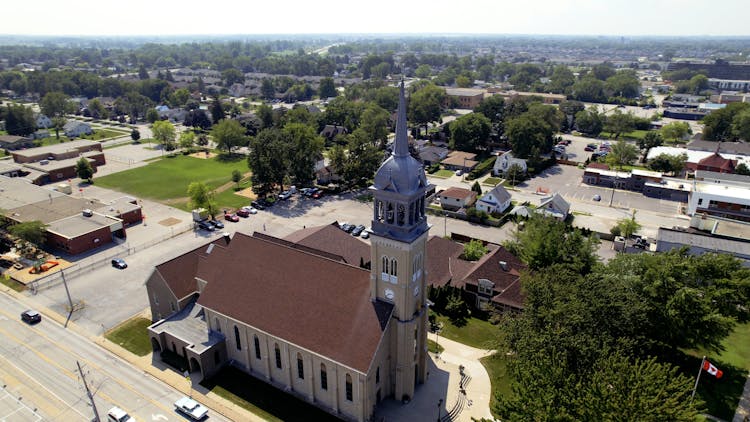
[504,265]
[87,213]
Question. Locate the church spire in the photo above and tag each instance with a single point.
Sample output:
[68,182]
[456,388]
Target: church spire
[401,144]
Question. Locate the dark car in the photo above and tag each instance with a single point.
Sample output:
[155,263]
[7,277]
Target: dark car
[205,225]
[243,213]
[318,194]
[358,230]
[119,263]
[217,224]
[348,228]
[311,191]
[30,316]
[258,205]
[597,198]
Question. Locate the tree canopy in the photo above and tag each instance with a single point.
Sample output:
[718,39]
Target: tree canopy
[228,135]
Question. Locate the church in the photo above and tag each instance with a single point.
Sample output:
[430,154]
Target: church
[340,328]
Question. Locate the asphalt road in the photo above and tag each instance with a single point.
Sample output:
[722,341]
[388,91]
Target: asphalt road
[40,361]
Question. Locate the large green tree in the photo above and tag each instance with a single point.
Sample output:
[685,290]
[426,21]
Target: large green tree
[374,122]
[589,121]
[30,231]
[19,120]
[719,124]
[84,169]
[675,131]
[228,135]
[527,133]
[164,132]
[426,104]
[306,148]
[327,88]
[55,104]
[268,160]
[201,196]
[470,132]
[622,153]
[618,123]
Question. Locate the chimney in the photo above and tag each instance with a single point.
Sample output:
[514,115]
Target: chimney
[504,265]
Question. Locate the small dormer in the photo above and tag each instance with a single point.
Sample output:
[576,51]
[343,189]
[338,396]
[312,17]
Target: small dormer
[485,287]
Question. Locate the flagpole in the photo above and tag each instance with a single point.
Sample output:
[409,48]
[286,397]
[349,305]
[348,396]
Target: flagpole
[695,387]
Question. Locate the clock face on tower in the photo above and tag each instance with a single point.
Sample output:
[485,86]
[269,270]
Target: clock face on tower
[389,294]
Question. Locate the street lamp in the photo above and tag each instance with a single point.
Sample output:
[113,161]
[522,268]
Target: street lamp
[440,404]
[445,224]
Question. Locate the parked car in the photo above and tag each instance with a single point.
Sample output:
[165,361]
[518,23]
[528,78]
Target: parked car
[243,213]
[348,228]
[285,195]
[231,217]
[116,414]
[459,172]
[597,198]
[590,148]
[31,316]
[358,230]
[119,263]
[250,209]
[365,235]
[258,205]
[311,191]
[191,408]
[216,223]
[205,225]
[318,194]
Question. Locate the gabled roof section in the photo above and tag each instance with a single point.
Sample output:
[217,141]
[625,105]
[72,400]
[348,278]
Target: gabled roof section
[179,272]
[313,302]
[331,239]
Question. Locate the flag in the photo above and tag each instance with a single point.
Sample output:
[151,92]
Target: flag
[708,367]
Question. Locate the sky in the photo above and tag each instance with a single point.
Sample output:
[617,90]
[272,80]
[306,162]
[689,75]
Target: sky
[217,17]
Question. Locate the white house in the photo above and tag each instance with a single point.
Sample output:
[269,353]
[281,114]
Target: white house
[505,161]
[74,129]
[43,121]
[496,200]
[554,206]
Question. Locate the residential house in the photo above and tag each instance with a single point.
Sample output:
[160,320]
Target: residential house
[454,199]
[716,163]
[496,200]
[504,162]
[12,142]
[332,131]
[74,129]
[432,154]
[460,160]
[554,206]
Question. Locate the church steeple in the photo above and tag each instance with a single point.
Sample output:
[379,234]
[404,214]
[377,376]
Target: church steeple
[399,188]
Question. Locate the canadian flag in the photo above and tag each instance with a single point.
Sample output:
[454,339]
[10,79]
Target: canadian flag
[708,367]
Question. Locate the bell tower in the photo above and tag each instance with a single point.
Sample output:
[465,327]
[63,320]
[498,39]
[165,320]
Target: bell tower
[399,242]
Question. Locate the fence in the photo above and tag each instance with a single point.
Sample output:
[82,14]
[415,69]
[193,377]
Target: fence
[89,264]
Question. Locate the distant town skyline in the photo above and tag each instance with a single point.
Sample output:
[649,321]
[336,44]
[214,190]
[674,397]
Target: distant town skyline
[549,17]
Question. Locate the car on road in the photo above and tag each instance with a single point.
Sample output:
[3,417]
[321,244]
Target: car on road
[317,195]
[191,408]
[365,235]
[116,414]
[459,172]
[119,263]
[257,205]
[243,213]
[231,217]
[597,198]
[31,316]
[285,195]
[216,223]
[205,225]
[250,209]
[358,230]
[311,191]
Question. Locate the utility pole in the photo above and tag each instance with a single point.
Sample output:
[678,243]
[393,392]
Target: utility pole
[89,394]
[70,301]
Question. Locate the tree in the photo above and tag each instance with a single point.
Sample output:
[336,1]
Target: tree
[19,120]
[327,88]
[527,132]
[54,104]
[624,83]
[84,170]
[622,153]
[719,124]
[268,160]
[142,73]
[363,158]
[742,169]
[628,226]
[58,123]
[201,197]
[232,76]
[374,122]
[515,174]
[426,104]
[675,131]
[618,123]
[589,89]
[305,148]
[30,231]
[423,71]
[135,135]
[476,188]
[152,115]
[187,140]
[217,110]
[197,119]
[562,80]
[228,135]
[265,114]
[650,140]
[267,89]
[236,177]
[96,109]
[667,163]
[741,125]
[474,250]
[164,132]
[589,121]
[470,132]
[602,71]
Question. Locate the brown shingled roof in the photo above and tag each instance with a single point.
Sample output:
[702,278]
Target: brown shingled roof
[437,262]
[330,238]
[313,302]
[507,283]
[179,272]
[458,193]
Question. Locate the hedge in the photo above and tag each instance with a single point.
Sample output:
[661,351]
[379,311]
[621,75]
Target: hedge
[482,168]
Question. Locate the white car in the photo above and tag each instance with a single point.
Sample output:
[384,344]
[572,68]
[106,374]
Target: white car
[191,408]
[250,209]
[116,414]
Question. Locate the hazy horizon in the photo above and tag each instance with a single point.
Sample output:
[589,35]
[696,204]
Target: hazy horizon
[629,18]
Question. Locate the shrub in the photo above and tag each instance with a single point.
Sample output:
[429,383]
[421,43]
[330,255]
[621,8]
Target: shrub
[482,168]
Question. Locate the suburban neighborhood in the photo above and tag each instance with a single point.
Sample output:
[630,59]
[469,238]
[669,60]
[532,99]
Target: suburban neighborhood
[375,229]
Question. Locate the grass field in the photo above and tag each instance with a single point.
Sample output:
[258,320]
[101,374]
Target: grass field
[498,371]
[443,173]
[132,335]
[635,135]
[168,178]
[475,333]
[492,181]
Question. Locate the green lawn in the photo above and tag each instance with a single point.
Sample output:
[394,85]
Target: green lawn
[168,178]
[101,134]
[433,347]
[5,280]
[475,333]
[262,399]
[132,335]
[497,369]
[443,173]
[492,181]
[636,134]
